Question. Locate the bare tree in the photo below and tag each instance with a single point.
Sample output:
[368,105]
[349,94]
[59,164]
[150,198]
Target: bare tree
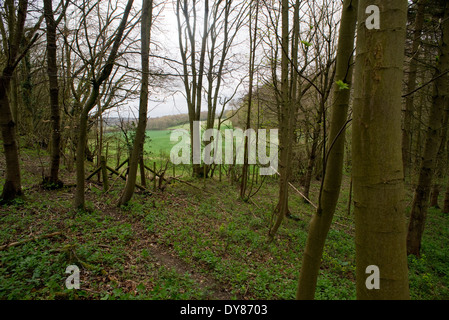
[252,61]
[203,57]
[97,80]
[137,151]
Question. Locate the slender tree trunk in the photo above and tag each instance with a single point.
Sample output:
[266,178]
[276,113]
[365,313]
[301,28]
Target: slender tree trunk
[440,166]
[52,71]
[81,148]
[418,143]
[380,229]
[446,196]
[15,98]
[441,93]
[422,192]
[12,187]
[284,149]
[446,199]
[313,153]
[411,85]
[136,155]
[253,44]
[193,75]
[321,221]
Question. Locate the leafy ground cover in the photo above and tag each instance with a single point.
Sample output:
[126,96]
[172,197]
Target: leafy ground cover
[185,243]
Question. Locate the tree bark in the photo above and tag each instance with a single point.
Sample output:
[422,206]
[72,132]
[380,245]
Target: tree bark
[321,221]
[284,124]
[422,192]
[446,199]
[313,153]
[136,154]
[52,71]
[12,187]
[380,229]
[440,166]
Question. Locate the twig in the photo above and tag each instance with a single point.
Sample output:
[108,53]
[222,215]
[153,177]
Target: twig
[118,176]
[313,205]
[189,184]
[124,178]
[18,243]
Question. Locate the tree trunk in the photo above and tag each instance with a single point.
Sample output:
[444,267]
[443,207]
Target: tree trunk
[440,166]
[252,59]
[52,71]
[136,155]
[446,199]
[313,154]
[284,124]
[380,229]
[12,187]
[321,221]
[411,85]
[429,158]
[446,196]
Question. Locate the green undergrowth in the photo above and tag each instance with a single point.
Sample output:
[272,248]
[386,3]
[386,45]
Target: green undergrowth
[203,233]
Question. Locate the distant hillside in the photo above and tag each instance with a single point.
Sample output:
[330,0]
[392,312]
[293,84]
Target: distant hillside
[171,122]
[163,123]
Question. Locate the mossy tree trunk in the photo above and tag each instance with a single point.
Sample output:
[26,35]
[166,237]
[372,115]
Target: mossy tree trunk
[380,225]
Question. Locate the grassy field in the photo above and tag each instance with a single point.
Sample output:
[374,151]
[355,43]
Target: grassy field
[188,242]
[157,145]
[157,142]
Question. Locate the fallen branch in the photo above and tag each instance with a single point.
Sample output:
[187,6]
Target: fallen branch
[18,243]
[189,184]
[115,180]
[124,178]
[93,173]
[299,192]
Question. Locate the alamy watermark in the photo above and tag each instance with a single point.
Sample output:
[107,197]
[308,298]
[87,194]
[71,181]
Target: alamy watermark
[373,21]
[373,280]
[73,281]
[262,148]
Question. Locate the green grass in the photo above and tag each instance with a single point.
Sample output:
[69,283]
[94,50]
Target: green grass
[230,242]
[157,142]
[157,145]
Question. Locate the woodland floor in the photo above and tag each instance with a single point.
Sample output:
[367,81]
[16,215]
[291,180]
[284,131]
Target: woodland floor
[184,243]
